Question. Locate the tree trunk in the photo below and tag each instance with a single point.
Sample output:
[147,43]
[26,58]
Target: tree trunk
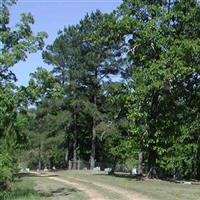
[74,154]
[198,159]
[66,148]
[93,150]
[66,157]
[141,160]
[39,160]
[50,163]
[152,130]
[74,165]
[39,165]
[152,172]
[151,159]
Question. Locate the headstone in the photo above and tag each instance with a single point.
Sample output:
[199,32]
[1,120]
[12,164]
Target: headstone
[53,168]
[45,169]
[70,165]
[78,164]
[134,171]
[108,170]
[21,170]
[97,169]
[27,170]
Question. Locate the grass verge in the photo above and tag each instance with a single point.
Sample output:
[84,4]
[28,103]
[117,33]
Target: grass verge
[23,189]
[42,188]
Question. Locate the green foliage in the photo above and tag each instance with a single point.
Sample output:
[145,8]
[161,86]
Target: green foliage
[7,110]
[82,67]
[164,58]
[15,45]
[24,190]
[5,167]
[121,84]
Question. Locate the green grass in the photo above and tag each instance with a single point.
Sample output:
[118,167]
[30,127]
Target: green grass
[23,189]
[153,189]
[41,188]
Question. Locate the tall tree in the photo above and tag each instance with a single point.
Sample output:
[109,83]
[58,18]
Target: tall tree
[86,66]
[160,45]
[64,54]
[100,63]
[161,52]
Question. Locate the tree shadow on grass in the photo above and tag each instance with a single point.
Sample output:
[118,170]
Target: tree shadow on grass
[131,177]
[22,193]
[126,176]
[58,192]
[26,193]
[25,190]
[31,174]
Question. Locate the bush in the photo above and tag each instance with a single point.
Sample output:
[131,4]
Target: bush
[3,195]
[6,171]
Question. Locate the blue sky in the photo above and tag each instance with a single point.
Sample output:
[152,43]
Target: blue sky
[52,16]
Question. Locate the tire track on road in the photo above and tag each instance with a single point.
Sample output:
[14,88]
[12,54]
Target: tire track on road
[92,194]
[127,195]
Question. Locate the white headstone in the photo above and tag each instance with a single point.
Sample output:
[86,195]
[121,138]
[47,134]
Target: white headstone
[134,171]
[107,170]
[45,169]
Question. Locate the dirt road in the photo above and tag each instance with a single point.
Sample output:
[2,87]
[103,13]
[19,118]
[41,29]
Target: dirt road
[91,194]
[124,193]
[93,190]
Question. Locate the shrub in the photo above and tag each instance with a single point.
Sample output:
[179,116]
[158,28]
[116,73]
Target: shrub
[6,170]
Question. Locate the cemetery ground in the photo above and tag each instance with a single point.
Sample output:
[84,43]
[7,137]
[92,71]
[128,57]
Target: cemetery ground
[88,185]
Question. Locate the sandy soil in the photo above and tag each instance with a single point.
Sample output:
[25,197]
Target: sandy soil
[92,194]
[124,193]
